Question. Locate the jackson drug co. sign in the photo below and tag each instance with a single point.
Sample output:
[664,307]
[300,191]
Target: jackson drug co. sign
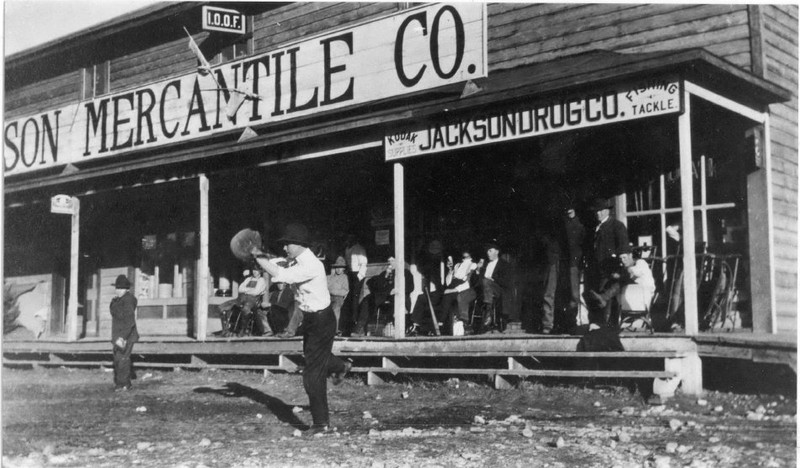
[418,49]
[616,104]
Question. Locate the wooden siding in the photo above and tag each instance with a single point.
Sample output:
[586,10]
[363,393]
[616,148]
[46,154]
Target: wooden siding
[43,95]
[780,49]
[301,20]
[523,34]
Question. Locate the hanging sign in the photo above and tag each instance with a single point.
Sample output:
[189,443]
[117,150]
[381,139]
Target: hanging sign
[223,20]
[418,49]
[617,104]
[62,204]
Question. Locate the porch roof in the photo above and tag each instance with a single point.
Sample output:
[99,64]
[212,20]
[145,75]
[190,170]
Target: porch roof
[586,70]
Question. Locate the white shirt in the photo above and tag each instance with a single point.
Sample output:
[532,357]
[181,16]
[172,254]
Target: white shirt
[310,284]
[640,274]
[461,272]
[490,269]
[253,286]
[356,258]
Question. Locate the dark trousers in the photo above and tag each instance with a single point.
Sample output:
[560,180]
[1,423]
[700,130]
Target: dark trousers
[123,368]
[574,290]
[355,296]
[549,296]
[319,330]
[609,289]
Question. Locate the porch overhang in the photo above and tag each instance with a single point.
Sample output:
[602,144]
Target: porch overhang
[567,74]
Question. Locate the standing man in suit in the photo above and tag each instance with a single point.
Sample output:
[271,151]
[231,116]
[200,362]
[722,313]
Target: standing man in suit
[495,279]
[609,242]
[123,332]
[576,234]
[356,257]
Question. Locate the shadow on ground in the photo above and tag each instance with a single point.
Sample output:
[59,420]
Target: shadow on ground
[276,406]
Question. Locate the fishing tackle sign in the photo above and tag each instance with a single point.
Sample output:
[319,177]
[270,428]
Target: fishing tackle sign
[616,104]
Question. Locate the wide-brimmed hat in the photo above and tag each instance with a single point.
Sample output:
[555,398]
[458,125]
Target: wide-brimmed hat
[339,263]
[122,282]
[491,244]
[600,204]
[295,233]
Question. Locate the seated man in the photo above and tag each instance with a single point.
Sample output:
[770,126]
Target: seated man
[633,279]
[494,278]
[251,291]
[458,293]
[282,311]
[381,291]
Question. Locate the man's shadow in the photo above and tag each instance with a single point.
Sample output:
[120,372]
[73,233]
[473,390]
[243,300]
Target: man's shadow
[280,409]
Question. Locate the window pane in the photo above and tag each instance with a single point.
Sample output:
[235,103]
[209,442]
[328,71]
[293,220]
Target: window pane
[227,54]
[724,180]
[646,196]
[101,78]
[87,92]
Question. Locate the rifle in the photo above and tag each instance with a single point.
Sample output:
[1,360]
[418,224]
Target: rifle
[433,314]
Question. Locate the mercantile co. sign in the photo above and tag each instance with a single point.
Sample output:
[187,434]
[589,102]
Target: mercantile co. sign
[418,49]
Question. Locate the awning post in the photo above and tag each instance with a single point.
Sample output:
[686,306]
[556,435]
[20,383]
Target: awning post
[74,257]
[399,252]
[201,289]
[687,217]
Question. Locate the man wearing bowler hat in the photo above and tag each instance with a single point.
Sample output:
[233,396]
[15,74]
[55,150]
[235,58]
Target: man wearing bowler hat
[123,332]
[609,242]
[307,275]
[495,278]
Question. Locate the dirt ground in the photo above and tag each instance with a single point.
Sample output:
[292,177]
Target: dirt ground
[71,417]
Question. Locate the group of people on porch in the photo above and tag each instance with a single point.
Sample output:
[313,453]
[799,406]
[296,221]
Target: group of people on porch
[469,295]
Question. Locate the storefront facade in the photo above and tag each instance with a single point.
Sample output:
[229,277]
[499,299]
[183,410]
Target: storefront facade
[402,124]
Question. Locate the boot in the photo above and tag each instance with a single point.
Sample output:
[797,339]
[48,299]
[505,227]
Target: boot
[501,323]
[486,319]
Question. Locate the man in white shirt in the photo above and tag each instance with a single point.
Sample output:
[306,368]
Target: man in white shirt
[459,294]
[307,275]
[356,257]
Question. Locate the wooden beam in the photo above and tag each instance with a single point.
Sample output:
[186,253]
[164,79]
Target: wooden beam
[399,252]
[687,211]
[201,286]
[74,259]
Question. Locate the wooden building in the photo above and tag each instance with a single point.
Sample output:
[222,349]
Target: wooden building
[403,124]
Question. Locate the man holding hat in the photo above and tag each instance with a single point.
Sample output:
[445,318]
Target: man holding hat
[609,242]
[123,332]
[307,275]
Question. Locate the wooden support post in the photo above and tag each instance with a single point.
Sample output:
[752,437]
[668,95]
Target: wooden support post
[288,364]
[197,362]
[374,379]
[201,290]
[399,252]
[74,257]
[501,382]
[690,370]
[687,217]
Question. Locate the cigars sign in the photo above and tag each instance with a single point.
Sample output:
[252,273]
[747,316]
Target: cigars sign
[419,49]
[630,101]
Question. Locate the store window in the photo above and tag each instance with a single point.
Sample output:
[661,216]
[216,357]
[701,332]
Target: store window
[96,80]
[242,47]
